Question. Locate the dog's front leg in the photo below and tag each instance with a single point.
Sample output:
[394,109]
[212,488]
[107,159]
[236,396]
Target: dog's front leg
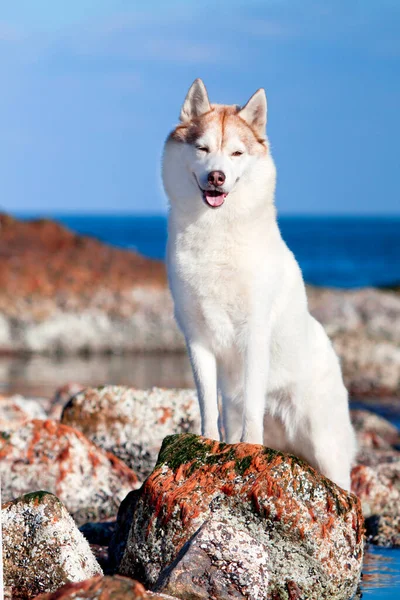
[256,377]
[204,367]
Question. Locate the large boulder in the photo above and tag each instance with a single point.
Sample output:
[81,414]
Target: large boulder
[219,561]
[104,588]
[48,455]
[42,547]
[243,505]
[132,423]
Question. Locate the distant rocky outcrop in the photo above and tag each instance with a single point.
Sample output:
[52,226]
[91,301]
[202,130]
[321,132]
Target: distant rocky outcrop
[63,292]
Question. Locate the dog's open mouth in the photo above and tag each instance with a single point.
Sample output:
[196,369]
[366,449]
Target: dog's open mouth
[214,198]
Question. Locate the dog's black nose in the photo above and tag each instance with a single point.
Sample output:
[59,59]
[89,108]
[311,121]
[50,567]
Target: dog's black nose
[216,178]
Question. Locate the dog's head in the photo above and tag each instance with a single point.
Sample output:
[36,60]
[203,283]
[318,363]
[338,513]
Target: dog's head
[219,154]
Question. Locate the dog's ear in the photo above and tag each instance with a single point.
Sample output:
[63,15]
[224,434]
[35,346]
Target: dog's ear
[255,112]
[196,102]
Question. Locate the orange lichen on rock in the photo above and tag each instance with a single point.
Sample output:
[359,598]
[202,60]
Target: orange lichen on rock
[103,588]
[50,455]
[286,504]
[43,258]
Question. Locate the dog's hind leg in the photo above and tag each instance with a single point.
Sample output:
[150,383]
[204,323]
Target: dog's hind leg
[327,441]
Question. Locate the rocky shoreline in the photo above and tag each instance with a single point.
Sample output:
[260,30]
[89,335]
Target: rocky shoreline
[133,492]
[62,293]
[110,492]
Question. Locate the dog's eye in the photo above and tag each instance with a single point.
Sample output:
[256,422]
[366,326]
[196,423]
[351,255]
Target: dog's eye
[203,149]
[237,153]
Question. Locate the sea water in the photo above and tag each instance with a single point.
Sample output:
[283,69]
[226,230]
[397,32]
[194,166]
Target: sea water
[347,252]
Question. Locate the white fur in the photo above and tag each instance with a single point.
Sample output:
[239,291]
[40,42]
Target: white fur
[241,303]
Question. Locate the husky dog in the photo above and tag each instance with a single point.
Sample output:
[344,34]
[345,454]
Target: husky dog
[239,294]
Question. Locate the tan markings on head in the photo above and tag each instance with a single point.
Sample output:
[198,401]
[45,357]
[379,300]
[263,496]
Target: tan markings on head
[223,119]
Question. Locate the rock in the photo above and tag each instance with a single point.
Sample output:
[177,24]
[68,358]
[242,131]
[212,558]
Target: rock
[120,535]
[66,293]
[42,547]
[16,410]
[377,312]
[383,530]
[387,459]
[376,481]
[371,366]
[377,493]
[364,326]
[62,292]
[309,530]
[104,588]
[335,309]
[132,423]
[52,456]
[374,431]
[219,561]
[63,395]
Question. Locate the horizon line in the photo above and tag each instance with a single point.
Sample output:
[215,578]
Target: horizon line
[54,214]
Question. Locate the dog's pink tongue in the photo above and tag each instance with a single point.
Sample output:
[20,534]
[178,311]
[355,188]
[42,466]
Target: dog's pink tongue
[215,200]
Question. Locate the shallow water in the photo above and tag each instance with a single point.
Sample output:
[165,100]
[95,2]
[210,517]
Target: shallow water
[41,376]
[381,574]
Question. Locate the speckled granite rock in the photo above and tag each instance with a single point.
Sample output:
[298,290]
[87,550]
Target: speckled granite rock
[377,483]
[377,493]
[221,562]
[133,423]
[42,547]
[16,409]
[376,478]
[104,588]
[310,530]
[373,431]
[48,455]
[383,530]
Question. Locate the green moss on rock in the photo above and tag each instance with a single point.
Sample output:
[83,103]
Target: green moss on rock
[181,449]
[39,497]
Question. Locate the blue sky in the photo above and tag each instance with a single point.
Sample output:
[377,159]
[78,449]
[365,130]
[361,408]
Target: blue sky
[90,89]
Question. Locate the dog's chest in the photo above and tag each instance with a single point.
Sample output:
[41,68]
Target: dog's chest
[212,278]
